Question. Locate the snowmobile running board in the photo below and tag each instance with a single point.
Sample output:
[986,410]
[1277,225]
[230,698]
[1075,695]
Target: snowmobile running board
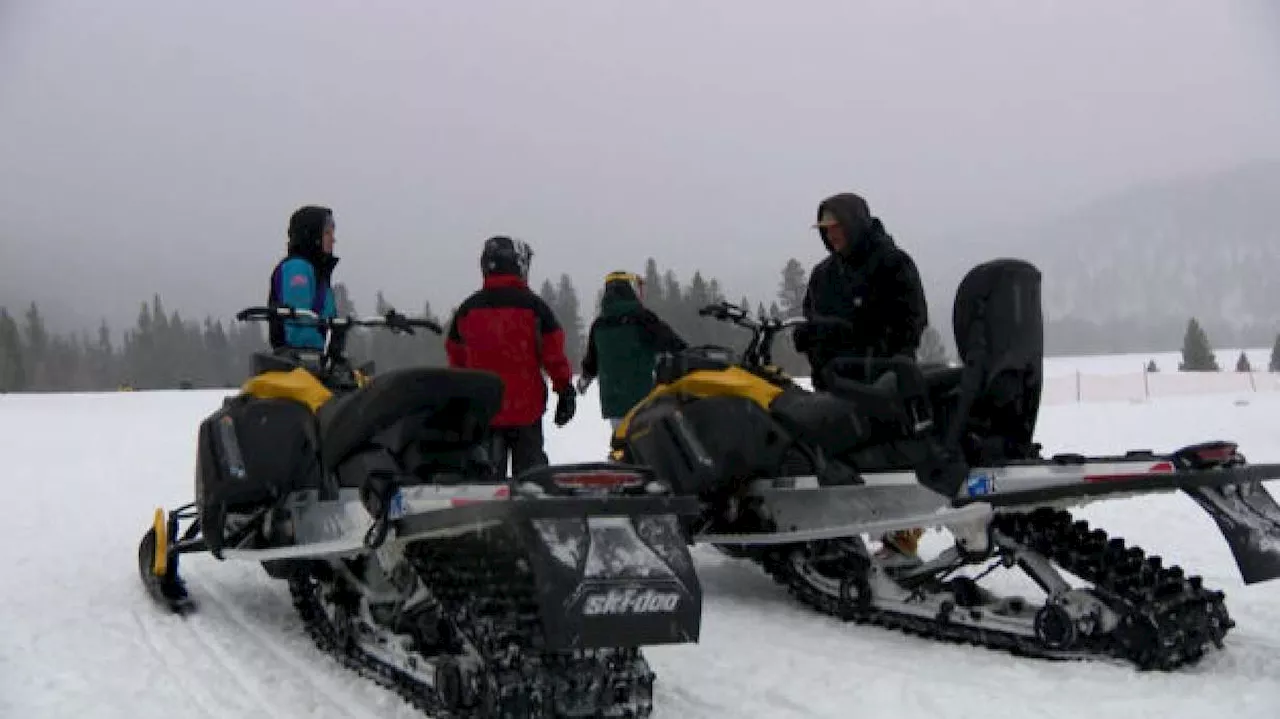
[332,529]
[532,595]
[337,527]
[1233,495]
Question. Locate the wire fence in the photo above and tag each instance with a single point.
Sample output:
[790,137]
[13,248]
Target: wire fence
[1081,387]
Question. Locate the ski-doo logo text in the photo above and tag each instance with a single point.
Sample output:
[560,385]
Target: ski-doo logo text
[630,601]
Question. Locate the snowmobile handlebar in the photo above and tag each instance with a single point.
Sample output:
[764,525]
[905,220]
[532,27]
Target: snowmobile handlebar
[764,330]
[728,312]
[392,319]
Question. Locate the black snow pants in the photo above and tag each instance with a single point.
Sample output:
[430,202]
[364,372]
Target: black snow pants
[523,446]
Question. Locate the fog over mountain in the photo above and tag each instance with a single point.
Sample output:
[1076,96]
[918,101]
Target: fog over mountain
[1141,262]
[156,147]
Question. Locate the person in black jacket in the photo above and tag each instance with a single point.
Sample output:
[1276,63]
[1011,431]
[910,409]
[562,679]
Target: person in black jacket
[867,281]
[871,283]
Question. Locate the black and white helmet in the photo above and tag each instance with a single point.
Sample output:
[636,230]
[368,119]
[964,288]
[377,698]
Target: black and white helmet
[507,256]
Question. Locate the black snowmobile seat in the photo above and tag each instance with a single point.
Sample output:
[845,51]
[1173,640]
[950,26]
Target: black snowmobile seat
[820,418]
[452,409]
[999,332]
[849,415]
[941,379]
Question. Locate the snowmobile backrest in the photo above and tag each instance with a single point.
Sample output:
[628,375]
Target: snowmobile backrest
[999,332]
[443,409]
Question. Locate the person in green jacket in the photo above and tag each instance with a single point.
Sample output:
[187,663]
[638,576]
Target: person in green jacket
[623,345]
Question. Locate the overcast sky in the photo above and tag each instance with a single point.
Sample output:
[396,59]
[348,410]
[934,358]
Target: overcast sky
[159,146]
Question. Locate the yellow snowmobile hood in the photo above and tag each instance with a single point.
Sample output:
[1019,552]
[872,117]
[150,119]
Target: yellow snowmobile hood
[731,382]
[297,384]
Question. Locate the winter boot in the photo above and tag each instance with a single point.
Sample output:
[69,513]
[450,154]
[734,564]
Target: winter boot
[899,550]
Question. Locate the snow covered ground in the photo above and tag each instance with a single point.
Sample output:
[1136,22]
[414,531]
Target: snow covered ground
[79,639]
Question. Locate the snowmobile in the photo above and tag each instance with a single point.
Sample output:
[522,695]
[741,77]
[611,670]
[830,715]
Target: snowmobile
[411,558]
[791,478]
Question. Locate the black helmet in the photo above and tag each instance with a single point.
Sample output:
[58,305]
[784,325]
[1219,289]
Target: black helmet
[506,256]
[306,228]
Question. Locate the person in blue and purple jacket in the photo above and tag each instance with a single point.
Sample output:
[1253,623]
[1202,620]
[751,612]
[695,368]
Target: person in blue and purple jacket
[303,279]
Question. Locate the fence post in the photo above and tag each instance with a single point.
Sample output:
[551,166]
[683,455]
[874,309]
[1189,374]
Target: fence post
[1146,384]
[1252,385]
[1078,399]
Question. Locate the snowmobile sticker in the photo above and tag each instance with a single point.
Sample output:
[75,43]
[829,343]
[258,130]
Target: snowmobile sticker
[398,506]
[980,483]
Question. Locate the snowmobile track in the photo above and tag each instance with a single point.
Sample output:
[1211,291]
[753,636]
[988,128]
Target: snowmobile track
[1168,619]
[482,580]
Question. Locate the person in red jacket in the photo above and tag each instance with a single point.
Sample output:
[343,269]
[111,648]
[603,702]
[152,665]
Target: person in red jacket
[506,329]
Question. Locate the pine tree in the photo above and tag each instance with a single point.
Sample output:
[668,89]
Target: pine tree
[1151,366]
[1197,353]
[137,349]
[1242,363]
[791,290]
[673,308]
[429,349]
[218,348]
[699,294]
[13,374]
[384,347]
[654,297]
[714,292]
[1274,365]
[342,300]
[548,293]
[36,353]
[104,359]
[570,316]
[932,351]
[672,293]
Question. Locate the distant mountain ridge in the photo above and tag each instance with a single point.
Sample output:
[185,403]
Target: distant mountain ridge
[1130,269]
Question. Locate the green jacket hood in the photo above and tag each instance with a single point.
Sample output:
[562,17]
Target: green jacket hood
[619,299]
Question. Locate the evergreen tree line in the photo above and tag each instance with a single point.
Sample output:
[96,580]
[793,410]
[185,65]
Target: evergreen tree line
[164,350]
[1198,356]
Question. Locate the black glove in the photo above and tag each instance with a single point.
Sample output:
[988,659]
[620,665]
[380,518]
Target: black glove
[398,322]
[566,406]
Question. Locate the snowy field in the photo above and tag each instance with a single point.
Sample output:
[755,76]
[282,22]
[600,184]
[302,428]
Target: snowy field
[79,639]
